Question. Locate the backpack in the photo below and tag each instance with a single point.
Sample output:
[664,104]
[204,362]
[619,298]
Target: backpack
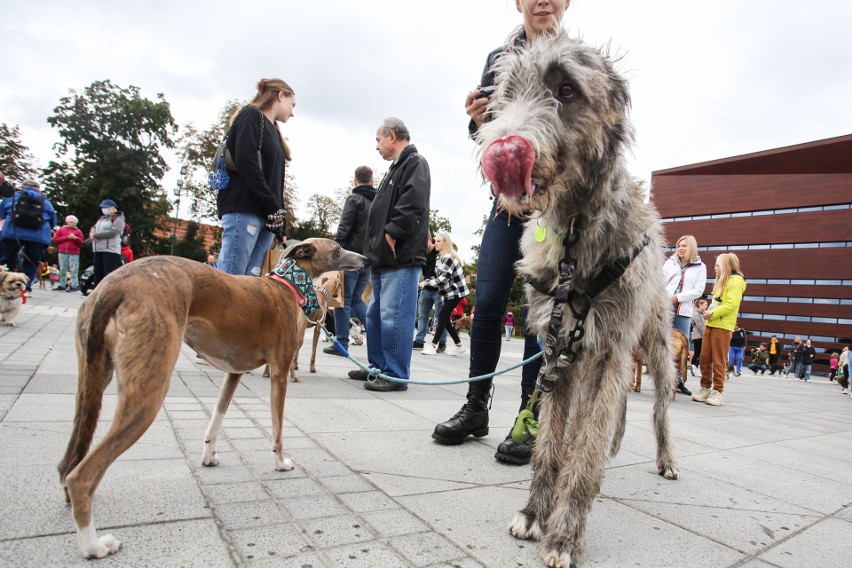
[125,233]
[28,212]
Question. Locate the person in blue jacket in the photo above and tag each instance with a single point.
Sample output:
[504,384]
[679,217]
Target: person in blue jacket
[15,238]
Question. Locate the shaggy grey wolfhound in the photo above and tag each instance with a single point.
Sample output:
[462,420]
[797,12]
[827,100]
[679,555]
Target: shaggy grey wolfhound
[555,146]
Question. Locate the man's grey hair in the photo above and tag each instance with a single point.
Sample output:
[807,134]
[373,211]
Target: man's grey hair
[395,125]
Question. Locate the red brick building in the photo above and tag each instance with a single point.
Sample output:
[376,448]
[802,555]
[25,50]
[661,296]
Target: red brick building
[787,214]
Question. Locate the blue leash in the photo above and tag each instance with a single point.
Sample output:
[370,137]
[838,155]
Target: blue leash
[373,374]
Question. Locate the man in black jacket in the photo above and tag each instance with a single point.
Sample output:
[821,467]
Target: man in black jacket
[396,250]
[351,232]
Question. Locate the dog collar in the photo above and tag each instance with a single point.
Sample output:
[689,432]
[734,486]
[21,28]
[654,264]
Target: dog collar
[294,277]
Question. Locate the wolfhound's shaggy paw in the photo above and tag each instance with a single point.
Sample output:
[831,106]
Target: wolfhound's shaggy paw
[102,547]
[284,465]
[523,528]
[555,559]
[668,471]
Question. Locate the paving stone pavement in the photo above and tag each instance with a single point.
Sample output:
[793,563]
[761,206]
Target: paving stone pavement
[765,479]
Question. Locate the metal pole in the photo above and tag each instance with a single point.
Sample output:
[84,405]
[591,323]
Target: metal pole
[178,189]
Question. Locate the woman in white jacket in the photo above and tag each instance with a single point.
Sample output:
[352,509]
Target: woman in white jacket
[686,277]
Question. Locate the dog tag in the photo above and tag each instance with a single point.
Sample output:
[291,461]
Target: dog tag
[540,233]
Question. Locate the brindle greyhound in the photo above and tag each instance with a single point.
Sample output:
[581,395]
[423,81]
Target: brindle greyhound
[133,325]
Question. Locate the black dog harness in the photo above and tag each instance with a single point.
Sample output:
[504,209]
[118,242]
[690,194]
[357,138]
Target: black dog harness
[294,277]
[579,302]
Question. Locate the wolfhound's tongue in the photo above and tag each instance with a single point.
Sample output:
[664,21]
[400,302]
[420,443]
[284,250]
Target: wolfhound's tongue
[508,163]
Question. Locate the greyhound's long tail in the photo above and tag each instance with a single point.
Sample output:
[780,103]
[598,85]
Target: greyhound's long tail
[93,362]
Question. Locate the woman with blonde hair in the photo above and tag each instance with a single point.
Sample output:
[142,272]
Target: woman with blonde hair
[721,317]
[251,206]
[685,277]
[449,279]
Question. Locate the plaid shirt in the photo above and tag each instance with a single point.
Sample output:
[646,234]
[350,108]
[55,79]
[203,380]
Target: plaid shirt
[449,279]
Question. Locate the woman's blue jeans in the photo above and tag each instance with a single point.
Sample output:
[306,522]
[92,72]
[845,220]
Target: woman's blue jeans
[495,275]
[245,242]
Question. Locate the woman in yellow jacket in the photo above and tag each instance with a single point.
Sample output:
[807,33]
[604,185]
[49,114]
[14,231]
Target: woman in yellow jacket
[721,317]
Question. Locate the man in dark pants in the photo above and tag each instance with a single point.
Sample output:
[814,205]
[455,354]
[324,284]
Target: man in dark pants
[351,233]
[396,250]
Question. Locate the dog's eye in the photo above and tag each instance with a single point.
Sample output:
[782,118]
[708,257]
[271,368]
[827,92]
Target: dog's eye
[566,91]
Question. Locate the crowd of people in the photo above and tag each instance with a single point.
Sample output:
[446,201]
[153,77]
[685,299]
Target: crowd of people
[29,230]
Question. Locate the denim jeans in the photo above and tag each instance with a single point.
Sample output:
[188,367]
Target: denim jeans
[354,284]
[806,372]
[390,319]
[33,251]
[682,323]
[428,299]
[795,368]
[245,242]
[735,358]
[69,263]
[496,273]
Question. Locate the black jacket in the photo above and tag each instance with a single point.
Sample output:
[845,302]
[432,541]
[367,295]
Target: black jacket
[250,189]
[401,209]
[738,338]
[429,267]
[352,229]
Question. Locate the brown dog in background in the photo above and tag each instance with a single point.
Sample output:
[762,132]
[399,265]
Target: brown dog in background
[329,293]
[133,325]
[680,354]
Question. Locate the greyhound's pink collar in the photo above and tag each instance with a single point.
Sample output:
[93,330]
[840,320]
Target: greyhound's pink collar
[288,284]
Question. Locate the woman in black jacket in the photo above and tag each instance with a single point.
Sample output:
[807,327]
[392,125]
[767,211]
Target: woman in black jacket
[808,353]
[251,207]
[496,267]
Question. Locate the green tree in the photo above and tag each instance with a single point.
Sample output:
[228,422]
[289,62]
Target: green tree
[192,244]
[325,211]
[16,161]
[438,223]
[111,143]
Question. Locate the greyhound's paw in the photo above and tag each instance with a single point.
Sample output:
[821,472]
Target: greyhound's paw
[210,457]
[9,323]
[313,368]
[296,379]
[101,547]
[284,465]
[523,528]
[669,471]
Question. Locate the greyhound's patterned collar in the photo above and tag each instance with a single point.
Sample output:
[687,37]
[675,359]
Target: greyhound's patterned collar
[299,281]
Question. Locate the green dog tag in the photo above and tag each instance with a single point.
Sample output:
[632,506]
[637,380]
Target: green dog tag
[540,233]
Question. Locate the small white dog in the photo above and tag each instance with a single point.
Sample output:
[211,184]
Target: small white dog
[355,332]
[12,286]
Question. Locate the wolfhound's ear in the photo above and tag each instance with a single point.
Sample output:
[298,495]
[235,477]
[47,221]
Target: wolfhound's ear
[301,250]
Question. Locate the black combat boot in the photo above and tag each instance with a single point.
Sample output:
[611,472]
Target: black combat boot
[471,420]
[519,453]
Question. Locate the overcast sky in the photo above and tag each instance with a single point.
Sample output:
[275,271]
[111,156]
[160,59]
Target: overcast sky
[708,79]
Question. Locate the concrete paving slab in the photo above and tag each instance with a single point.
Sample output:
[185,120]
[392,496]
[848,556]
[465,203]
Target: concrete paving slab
[336,531]
[182,543]
[824,543]
[278,541]
[366,555]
